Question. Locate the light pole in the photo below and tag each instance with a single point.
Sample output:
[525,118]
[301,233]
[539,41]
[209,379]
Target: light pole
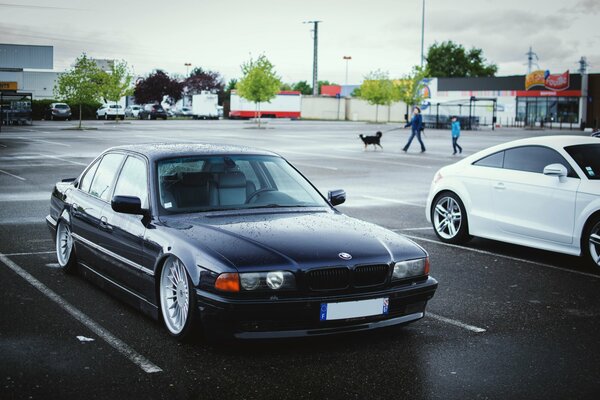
[187,69]
[347,58]
[315,47]
[422,34]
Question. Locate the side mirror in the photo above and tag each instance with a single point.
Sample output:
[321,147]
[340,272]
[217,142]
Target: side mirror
[336,197]
[127,205]
[557,170]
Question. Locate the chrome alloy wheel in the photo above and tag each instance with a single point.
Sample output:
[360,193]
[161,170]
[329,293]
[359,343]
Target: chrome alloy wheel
[64,244]
[174,295]
[447,217]
[594,243]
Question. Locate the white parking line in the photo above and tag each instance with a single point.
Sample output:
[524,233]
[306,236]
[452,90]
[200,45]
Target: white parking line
[31,253]
[317,166]
[355,159]
[500,255]
[62,159]
[45,141]
[2,145]
[455,323]
[408,203]
[14,176]
[424,228]
[141,361]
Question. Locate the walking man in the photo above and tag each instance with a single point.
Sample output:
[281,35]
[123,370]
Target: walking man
[455,135]
[416,123]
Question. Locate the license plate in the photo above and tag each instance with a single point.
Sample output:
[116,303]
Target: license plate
[354,309]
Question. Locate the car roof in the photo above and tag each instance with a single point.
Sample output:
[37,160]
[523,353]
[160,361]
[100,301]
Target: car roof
[157,151]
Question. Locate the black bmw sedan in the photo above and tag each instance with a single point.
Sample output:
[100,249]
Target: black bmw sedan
[232,240]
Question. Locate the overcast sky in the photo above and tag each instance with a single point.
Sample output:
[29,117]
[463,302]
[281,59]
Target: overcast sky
[377,34]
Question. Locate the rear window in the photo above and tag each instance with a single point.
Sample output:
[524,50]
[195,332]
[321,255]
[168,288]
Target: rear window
[587,156]
[115,106]
[61,106]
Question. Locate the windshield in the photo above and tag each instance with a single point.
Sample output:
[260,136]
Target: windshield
[587,156]
[214,183]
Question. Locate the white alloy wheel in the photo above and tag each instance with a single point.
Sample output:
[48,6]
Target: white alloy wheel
[447,217]
[64,247]
[594,244]
[175,297]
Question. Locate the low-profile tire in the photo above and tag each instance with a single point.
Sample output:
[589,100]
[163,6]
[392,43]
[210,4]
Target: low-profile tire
[590,242]
[449,218]
[178,300]
[65,251]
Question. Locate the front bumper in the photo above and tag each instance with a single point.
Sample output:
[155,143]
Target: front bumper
[299,317]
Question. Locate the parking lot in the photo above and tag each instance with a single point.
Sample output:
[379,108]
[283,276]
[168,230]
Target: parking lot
[506,321]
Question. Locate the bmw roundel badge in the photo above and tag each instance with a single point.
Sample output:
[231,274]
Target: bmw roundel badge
[345,256]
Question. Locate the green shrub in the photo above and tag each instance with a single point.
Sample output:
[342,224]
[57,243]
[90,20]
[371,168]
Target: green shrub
[88,111]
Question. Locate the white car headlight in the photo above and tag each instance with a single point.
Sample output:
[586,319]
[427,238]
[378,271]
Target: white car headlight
[411,268]
[274,280]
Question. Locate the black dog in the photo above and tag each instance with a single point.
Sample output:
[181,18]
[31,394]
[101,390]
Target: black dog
[374,140]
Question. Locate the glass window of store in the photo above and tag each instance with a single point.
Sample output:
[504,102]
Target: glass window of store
[533,110]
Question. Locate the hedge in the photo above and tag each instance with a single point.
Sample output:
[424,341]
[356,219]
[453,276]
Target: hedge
[88,110]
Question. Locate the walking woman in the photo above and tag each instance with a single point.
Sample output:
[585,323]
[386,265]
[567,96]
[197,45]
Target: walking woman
[455,135]
[416,123]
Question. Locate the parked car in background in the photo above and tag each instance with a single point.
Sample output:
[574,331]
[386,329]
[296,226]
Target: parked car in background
[170,112]
[596,134]
[233,240]
[541,192]
[132,111]
[57,111]
[110,111]
[184,112]
[152,111]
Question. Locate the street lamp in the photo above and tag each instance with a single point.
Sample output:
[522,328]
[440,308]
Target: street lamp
[347,58]
[422,33]
[187,69]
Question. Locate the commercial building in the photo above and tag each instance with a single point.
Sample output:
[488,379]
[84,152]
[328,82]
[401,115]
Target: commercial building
[29,68]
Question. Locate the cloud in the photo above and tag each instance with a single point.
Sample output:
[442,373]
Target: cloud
[585,7]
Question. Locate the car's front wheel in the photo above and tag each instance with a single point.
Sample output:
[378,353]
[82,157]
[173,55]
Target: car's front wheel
[590,242]
[177,299]
[449,218]
[64,248]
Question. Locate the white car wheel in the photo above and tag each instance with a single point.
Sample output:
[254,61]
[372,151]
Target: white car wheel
[449,218]
[177,298]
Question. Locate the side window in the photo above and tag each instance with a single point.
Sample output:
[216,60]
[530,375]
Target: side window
[533,159]
[84,185]
[495,160]
[105,175]
[133,180]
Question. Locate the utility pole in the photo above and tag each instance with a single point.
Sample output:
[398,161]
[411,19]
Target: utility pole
[530,54]
[583,65]
[423,34]
[315,55]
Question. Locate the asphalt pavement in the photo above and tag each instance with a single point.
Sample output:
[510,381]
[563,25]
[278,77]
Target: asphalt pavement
[507,322]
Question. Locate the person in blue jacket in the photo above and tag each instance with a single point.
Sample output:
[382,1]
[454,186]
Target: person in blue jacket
[455,135]
[416,123]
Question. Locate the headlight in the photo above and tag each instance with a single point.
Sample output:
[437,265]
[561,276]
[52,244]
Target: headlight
[275,280]
[411,268]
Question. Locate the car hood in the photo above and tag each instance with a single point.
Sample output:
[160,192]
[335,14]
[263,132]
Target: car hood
[294,240]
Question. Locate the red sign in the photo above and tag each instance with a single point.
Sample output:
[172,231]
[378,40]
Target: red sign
[548,93]
[556,82]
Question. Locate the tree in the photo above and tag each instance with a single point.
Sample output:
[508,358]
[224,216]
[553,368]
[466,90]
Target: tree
[117,83]
[449,59]
[377,89]
[200,80]
[303,87]
[259,83]
[409,89]
[81,84]
[155,87]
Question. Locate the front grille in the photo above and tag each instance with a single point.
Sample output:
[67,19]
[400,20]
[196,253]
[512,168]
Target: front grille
[329,279]
[370,275]
[342,278]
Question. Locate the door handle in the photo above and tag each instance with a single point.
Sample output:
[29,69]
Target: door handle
[74,209]
[104,225]
[499,186]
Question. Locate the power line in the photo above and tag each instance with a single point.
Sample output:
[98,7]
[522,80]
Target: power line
[315,55]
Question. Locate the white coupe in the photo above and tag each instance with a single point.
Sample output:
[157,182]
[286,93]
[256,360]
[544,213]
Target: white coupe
[541,192]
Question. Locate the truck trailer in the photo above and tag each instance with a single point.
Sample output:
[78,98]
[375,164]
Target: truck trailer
[205,105]
[287,104]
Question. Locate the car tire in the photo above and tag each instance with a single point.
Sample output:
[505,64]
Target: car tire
[65,250]
[590,242]
[177,300]
[449,218]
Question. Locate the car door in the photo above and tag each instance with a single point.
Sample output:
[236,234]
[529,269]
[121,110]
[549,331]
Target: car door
[529,204]
[88,202]
[122,235]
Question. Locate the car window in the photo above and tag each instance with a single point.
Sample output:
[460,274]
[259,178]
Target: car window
[495,160]
[133,180]
[587,156]
[105,175]
[533,159]
[63,106]
[87,178]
